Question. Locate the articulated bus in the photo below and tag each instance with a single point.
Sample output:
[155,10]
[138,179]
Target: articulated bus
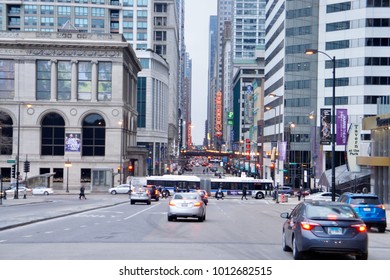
[231,186]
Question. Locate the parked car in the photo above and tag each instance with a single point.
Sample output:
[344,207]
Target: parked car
[187,205]
[22,189]
[123,189]
[325,227]
[42,190]
[140,194]
[322,196]
[285,190]
[369,207]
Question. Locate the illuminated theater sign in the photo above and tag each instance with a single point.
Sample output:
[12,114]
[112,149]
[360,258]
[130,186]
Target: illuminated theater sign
[218,114]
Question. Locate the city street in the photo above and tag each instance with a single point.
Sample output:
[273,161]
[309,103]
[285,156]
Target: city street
[234,229]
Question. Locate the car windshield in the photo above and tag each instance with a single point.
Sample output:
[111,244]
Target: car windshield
[365,200]
[329,212]
[185,196]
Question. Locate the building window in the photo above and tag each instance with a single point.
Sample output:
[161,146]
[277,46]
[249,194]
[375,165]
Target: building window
[6,131]
[93,136]
[142,3]
[105,81]
[160,49]
[84,83]
[53,135]
[7,78]
[43,79]
[141,101]
[160,8]
[64,82]
[85,175]
[58,177]
[160,36]
[64,11]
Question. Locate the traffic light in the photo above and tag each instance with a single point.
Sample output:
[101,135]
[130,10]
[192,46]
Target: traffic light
[130,168]
[26,166]
[13,171]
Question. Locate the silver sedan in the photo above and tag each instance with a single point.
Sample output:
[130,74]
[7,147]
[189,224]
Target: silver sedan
[187,205]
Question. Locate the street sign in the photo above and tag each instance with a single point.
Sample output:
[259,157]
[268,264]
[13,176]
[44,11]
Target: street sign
[10,161]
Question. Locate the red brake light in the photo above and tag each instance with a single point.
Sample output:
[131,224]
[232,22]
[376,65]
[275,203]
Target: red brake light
[332,217]
[197,204]
[360,227]
[171,203]
[308,225]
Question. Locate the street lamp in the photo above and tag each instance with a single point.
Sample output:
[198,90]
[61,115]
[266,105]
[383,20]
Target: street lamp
[121,153]
[68,164]
[16,194]
[311,52]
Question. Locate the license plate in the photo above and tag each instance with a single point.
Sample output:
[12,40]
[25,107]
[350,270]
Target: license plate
[184,204]
[367,209]
[335,231]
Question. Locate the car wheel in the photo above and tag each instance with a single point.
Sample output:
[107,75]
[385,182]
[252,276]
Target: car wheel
[259,195]
[149,202]
[296,253]
[46,193]
[113,192]
[200,219]
[362,257]
[132,202]
[284,244]
[170,219]
[157,199]
[382,228]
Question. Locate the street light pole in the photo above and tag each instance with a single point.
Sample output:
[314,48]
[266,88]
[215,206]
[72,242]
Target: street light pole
[121,153]
[67,165]
[16,194]
[333,59]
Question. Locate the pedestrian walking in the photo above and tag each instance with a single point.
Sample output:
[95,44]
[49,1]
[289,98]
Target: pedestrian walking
[82,193]
[243,193]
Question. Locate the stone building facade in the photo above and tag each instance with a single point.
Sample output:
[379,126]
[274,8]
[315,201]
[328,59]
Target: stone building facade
[69,97]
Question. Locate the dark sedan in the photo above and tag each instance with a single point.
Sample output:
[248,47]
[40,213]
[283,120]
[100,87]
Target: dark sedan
[324,227]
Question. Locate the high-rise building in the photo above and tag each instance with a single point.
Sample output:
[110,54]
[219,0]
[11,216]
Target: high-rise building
[299,87]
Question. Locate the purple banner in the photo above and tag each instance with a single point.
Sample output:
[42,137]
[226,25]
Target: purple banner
[342,126]
[282,150]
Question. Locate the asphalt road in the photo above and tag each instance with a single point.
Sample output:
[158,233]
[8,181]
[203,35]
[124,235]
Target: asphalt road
[109,228]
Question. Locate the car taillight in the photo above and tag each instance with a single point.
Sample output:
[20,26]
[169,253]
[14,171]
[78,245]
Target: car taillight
[360,227]
[308,225]
[197,204]
[172,203]
[381,206]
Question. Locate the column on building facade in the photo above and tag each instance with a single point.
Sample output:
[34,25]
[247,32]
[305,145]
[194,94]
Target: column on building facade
[94,80]
[53,84]
[73,93]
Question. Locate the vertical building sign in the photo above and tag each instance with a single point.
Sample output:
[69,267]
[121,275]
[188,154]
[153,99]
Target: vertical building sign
[189,135]
[218,114]
[342,126]
[353,147]
[325,134]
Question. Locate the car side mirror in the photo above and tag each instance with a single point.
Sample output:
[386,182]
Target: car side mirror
[285,215]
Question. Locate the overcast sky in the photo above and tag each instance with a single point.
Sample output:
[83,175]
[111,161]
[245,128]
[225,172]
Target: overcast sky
[197,20]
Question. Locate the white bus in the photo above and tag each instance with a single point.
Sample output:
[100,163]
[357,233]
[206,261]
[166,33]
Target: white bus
[231,186]
[173,183]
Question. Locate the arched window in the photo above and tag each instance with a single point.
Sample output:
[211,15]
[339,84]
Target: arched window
[94,136]
[6,133]
[53,135]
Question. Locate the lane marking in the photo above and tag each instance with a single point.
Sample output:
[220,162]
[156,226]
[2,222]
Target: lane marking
[135,214]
